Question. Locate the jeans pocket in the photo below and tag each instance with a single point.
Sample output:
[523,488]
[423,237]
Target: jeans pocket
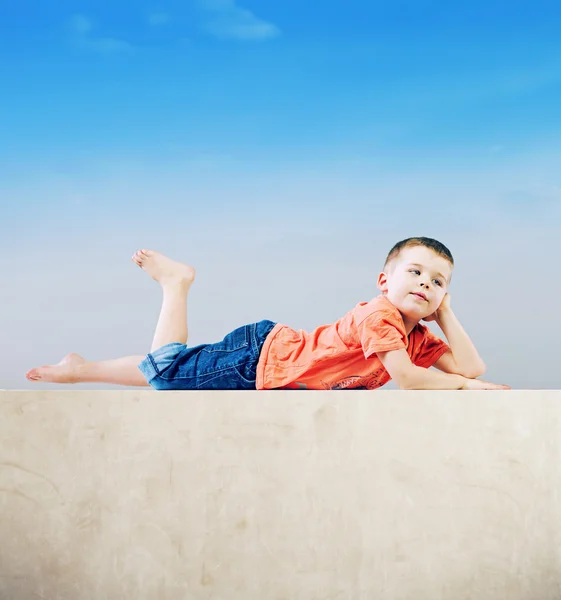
[236,340]
[228,379]
[247,372]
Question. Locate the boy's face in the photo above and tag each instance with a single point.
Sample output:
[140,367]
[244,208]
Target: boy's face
[416,281]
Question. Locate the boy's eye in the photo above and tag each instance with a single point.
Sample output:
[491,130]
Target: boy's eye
[416,271]
[437,282]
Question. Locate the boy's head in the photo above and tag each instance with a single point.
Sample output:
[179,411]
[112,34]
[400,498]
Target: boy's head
[416,276]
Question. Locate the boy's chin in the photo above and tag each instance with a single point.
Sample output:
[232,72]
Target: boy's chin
[414,315]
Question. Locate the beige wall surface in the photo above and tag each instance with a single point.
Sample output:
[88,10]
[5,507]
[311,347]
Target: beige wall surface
[280,495]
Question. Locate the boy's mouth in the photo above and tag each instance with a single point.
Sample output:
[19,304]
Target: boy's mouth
[420,294]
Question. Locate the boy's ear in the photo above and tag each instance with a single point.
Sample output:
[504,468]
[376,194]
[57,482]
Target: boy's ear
[382,282]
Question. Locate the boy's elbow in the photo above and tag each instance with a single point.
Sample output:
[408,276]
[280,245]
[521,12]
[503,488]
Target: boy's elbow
[403,384]
[474,371]
[408,381]
[402,381]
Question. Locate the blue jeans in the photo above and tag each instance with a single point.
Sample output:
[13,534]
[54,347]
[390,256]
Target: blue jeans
[227,365]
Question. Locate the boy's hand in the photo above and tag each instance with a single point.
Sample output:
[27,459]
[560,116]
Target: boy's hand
[444,306]
[478,384]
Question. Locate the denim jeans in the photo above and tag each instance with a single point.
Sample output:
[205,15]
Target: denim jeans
[227,365]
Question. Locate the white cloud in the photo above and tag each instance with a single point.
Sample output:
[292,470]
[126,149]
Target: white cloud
[477,85]
[106,45]
[81,28]
[231,21]
[158,19]
[80,24]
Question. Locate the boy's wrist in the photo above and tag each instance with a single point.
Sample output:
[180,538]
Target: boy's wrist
[441,315]
[444,310]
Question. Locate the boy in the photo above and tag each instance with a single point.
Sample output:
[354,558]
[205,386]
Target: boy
[373,343]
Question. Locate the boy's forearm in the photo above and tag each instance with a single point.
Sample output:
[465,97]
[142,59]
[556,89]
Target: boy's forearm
[465,354]
[425,379]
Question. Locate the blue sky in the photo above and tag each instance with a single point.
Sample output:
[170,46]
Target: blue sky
[278,80]
[283,138]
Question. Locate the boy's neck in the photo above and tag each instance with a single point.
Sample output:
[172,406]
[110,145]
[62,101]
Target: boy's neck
[410,324]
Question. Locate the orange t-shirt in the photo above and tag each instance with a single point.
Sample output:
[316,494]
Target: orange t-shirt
[343,355]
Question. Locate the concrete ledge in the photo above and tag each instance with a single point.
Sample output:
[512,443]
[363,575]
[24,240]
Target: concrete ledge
[280,495]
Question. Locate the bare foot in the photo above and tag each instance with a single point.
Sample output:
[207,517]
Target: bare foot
[63,372]
[162,269]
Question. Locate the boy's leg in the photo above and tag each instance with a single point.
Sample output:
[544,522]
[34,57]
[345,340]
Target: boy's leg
[175,279]
[75,369]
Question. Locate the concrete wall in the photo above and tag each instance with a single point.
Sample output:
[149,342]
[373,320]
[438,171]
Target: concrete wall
[280,495]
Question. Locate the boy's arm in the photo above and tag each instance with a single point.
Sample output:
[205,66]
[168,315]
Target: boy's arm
[462,358]
[410,377]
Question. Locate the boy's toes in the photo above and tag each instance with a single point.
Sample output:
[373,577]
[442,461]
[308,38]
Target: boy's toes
[33,375]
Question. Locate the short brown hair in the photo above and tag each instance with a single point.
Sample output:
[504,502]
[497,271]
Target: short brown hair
[433,245]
